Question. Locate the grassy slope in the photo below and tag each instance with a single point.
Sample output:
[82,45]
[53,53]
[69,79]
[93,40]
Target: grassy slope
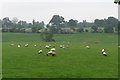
[73,62]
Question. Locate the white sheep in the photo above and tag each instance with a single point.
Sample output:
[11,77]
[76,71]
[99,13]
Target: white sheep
[40,51]
[53,53]
[103,52]
[53,49]
[19,46]
[35,45]
[26,45]
[49,53]
[12,44]
[87,47]
[47,47]
[61,46]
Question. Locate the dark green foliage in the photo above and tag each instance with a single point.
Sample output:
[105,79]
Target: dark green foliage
[95,28]
[108,30]
[72,23]
[80,30]
[57,20]
[47,35]
[54,29]
[86,30]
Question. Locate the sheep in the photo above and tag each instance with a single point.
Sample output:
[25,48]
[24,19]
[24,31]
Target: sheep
[103,52]
[40,51]
[19,45]
[53,49]
[51,52]
[35,45]
[47,47]
[61,46]
[26,45]
[12,44]
[87,47]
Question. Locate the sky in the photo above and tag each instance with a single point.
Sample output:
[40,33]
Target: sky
[43,10]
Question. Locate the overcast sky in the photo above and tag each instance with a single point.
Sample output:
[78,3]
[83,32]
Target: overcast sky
[43,10]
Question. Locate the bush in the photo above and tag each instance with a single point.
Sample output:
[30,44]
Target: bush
[47,35]
[108,30]
[80,30]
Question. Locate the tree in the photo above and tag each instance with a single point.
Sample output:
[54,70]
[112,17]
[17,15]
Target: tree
[37,26]
[15,20]
[54,29]
[108,30]
[72,23]
[111,21]
[99,23]
[56,21]
[95,28]
[47,35]
[80,29]
[6,24]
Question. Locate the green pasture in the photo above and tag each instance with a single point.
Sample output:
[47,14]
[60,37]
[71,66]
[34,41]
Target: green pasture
[73,62]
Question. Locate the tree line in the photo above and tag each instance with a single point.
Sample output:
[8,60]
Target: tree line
[58,25]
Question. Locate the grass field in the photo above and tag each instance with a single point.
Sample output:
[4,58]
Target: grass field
[73,62]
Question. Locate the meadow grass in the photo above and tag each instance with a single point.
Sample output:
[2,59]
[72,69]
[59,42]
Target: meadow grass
[73,62]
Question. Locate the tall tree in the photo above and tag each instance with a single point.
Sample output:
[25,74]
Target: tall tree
[72,23]
[56,20]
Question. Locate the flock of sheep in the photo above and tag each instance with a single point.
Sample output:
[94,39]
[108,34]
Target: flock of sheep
[52,50]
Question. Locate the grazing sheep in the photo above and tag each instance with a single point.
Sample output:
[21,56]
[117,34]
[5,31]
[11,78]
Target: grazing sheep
[53,53]
[49,53]
[61,46]
[103,52]
[40,51]
[12,44]
[53,49]
[47,47]
[19,45]
[87,47]
[26,45]
[35,45]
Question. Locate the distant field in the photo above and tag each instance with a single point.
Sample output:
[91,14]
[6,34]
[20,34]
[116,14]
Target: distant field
[73,62]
